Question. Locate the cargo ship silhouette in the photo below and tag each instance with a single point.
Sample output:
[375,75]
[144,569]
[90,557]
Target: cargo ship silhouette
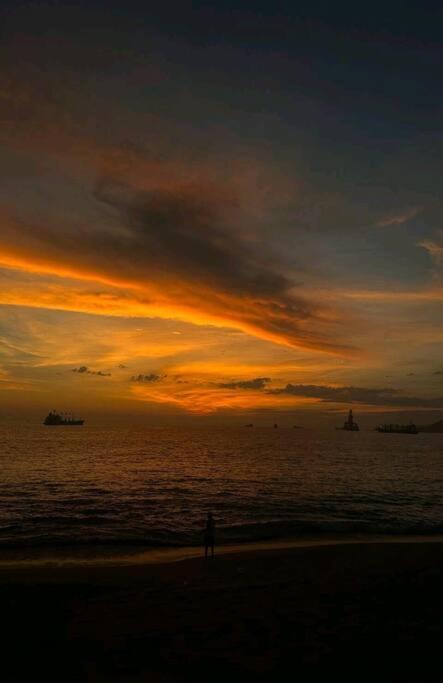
[55,419]
[411,428]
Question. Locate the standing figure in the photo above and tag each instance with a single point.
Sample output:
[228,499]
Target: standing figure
[209,538]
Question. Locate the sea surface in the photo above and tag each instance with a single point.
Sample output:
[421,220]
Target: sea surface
[149,487]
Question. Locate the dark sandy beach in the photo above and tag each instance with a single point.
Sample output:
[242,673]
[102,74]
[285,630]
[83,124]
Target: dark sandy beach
[362,611]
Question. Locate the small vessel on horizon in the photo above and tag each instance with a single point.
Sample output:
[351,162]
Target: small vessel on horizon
[55,419]
[349,425]
[411,428]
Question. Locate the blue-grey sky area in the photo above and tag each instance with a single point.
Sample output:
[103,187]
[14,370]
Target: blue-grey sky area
[240,200]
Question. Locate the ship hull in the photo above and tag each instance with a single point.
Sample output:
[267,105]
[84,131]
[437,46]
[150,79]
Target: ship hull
[77,423]
[396,431]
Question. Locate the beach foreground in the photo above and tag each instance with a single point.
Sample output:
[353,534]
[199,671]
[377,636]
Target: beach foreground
[363,611]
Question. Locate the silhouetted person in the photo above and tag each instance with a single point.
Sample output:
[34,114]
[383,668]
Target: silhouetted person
[209,538]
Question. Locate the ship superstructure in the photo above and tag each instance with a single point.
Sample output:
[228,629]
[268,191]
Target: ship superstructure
[350,425]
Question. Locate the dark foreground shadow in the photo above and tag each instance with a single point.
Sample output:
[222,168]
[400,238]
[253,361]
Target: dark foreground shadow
[357,612]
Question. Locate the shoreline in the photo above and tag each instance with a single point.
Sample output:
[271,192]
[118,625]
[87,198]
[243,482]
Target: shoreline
[117,556]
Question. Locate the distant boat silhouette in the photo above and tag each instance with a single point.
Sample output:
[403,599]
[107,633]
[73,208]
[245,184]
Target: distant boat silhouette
[349,425]
[55,419]
[249,425]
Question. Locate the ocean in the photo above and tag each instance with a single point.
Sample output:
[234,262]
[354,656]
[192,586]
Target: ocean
[126,486]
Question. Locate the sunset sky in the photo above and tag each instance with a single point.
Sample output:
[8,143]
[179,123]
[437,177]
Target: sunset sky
[221,208]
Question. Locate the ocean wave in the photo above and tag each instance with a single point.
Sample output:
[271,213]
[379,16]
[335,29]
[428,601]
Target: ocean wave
[109,487]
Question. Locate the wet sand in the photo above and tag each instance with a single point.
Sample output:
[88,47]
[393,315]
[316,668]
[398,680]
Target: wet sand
[360,611]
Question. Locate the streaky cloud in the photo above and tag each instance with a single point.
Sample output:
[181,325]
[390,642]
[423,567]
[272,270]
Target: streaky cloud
[257,383]
[179,250]
[397,218]
[152,377]
[351,394]
[84,370]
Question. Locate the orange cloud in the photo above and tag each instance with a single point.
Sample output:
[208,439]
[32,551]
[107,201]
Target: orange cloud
[180,241]
[434,249]
[430,294]
[203,400]
[398,218]
[173,260]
